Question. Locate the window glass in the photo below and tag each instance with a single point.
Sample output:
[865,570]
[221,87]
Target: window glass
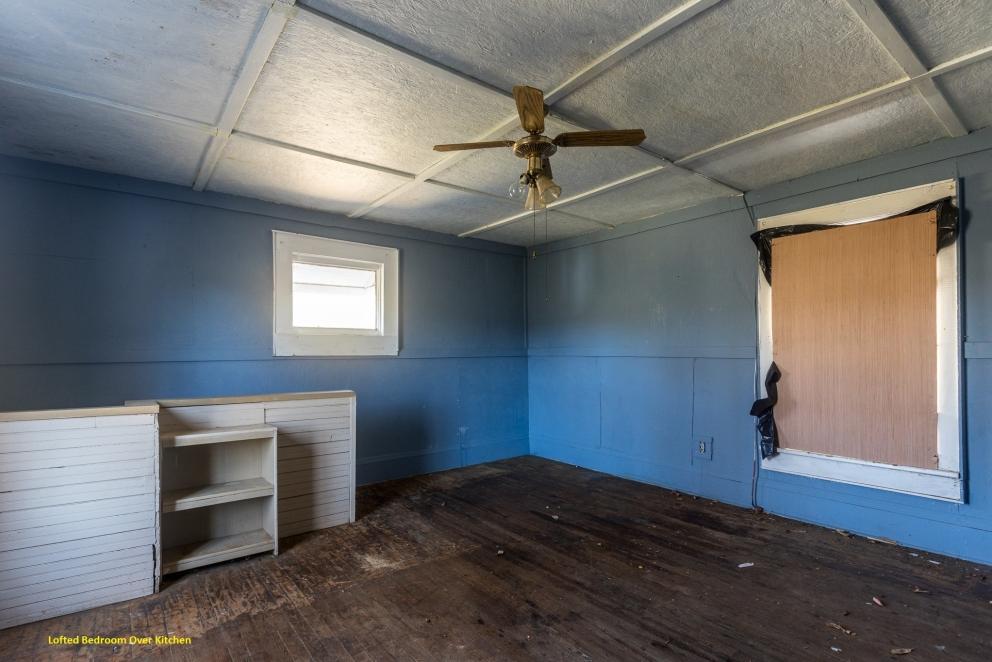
[331,297]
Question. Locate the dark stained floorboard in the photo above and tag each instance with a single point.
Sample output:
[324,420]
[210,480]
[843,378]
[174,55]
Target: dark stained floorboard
[592,567]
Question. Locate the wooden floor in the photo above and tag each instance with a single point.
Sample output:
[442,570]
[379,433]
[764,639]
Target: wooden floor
[530,559]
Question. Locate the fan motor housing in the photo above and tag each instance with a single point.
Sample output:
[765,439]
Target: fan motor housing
[534,146]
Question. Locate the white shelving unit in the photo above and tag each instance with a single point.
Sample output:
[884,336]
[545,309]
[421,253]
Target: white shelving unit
[219,495]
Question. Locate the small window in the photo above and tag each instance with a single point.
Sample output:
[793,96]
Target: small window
[334,298]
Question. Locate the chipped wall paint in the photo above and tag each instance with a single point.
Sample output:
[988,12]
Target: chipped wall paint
[129,290]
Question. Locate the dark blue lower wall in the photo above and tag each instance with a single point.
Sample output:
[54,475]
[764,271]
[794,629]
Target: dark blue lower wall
[119,289]
[643,340]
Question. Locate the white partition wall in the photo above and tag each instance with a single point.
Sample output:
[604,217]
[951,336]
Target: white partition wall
[78,509]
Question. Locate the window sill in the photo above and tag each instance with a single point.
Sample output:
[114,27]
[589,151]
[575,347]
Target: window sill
[286,344]
[932,483]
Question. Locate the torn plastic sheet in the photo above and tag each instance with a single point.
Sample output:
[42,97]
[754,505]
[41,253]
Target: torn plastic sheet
[764,410]
[947,231]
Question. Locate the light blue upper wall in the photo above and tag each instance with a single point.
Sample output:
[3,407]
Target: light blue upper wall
[642,343]
[125,289]
[643,339]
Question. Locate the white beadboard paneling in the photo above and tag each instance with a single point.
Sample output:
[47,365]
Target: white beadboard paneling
[78,503]
[66,569]
[313,511]
[34,478]
[336,424]
[276,415]
[309,477]
[316,439]
[97,597]
[70,549]
[314,499]
[317,462]
[307,487]
[69,494]
[313,437]
[311,450]
[314,524]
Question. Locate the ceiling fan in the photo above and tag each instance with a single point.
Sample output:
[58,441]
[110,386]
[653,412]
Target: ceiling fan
[537,182]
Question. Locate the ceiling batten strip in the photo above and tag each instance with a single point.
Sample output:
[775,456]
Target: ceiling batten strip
[902,83]
[278,13]
[673,19]
[630,179]
[875,19]
[321,155]
[642,38]
[110,103]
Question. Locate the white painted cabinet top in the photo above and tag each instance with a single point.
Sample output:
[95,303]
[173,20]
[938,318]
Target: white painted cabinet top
[244,399]
[48,414]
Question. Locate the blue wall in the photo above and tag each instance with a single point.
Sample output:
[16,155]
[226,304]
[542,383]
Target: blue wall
[121,289]
[643,339]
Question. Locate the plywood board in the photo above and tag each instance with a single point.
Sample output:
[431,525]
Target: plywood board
[854,333]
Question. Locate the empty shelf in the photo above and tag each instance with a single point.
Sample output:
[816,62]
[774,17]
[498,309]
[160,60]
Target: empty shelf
[185,557]
[215,435]
[211,495]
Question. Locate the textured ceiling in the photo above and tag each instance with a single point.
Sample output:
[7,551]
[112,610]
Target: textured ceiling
[335,104]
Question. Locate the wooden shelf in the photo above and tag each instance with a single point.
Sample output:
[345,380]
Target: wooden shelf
[211,495]
[215,550]
[182,438]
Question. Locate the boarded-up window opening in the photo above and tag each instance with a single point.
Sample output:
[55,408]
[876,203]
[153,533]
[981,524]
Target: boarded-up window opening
[854,328]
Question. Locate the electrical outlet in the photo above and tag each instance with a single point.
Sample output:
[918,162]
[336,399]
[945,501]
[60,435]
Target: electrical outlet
[702,448]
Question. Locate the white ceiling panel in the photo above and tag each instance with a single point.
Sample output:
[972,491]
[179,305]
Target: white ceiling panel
[532,231]
[268,172]
[970,93]
[670,189]
[576,169]
[940,30]
[505,43]
[443,209]
[174,56]
[339,96]
[888,124]
[48,127]
[738,67]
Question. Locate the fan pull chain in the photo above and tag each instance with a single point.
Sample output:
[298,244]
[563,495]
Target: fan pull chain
[547,261]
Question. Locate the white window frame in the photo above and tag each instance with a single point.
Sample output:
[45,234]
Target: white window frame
[944,482]
[289,340]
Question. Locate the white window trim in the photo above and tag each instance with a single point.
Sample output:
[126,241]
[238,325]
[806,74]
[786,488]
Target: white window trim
[288,340]
[945,481]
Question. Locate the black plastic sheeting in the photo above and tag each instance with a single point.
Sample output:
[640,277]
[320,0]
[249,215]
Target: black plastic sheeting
[764,410]
[947,231]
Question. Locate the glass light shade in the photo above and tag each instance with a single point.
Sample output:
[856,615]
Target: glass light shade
[547,189]
[518,190]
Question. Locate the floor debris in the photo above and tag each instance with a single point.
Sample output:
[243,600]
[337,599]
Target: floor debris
[900,651]
[745,565]
[838,626]
[878,601]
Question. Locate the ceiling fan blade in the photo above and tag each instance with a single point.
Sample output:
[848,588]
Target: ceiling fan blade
[530,108]
[614,138]
[486,145]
